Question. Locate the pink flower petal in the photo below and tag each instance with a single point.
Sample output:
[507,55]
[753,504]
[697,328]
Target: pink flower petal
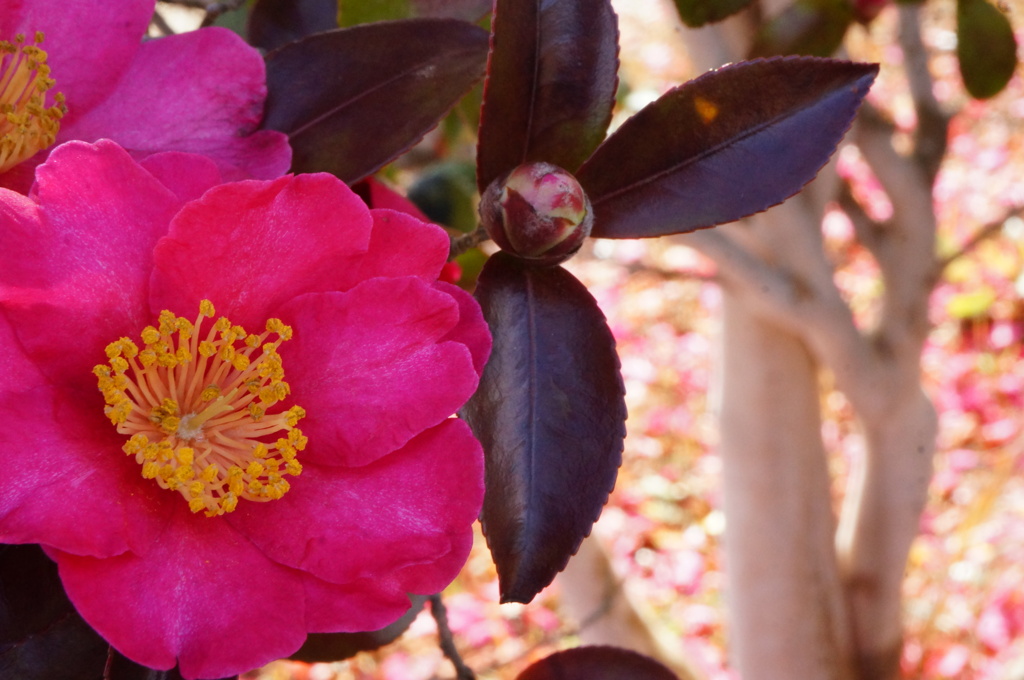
[89,44]
[100,215]
[367,604]
[371,368]
[203,597]
[250,246]
[403,512]
[188,175]
[63,464]
[402,245]
[200,92]
[472,330]
[381,195]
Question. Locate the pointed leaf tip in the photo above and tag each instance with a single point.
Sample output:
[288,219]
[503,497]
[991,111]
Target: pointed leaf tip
[552,73]
[550,414]
[728,144]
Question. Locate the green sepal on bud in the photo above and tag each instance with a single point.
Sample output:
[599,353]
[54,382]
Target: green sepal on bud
[537,212]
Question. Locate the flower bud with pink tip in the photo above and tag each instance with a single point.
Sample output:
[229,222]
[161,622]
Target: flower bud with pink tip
[538,212]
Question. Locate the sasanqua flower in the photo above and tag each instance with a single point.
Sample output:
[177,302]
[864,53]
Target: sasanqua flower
[78,69]
[229,417]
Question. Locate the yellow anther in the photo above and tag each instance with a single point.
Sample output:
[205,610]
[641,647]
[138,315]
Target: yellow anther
[195,427]
[186,455]
[27,124]
[295,413]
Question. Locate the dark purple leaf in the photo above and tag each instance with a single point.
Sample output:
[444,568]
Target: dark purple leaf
[326,647]
[695,13]
[273,23]
[351,100]
[551,79]
[122,668]
[812,27]
[986,48]
[597,663]
[729,144]
[551,417]
[41,635]
[467,10]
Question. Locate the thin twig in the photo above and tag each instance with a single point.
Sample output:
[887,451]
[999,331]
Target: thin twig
[444,634]
[461,244]
[986,232]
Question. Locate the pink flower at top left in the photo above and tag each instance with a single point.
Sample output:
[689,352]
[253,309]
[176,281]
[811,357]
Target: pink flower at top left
[80,69]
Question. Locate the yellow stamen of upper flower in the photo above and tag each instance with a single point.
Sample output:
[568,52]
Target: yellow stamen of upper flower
[196,409]
[27,125]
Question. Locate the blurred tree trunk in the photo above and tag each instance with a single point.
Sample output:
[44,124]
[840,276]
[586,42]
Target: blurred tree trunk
[811,595]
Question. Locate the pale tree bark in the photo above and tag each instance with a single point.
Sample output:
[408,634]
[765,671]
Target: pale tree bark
[812,596]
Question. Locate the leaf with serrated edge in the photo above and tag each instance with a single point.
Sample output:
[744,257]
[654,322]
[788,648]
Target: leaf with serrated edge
[550,414]
[351,100]
[551,80]
[729,144]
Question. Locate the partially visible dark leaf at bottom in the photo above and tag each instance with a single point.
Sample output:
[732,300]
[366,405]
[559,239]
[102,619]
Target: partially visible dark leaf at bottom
[123,668]
[597,663]
[42,637]
[550,413]
[325,647]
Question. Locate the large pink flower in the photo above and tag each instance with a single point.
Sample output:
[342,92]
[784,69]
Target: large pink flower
[301,478]
[201,92]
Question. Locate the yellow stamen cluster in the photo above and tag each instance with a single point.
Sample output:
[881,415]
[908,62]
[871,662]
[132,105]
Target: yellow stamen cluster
[196,409]
[27,125]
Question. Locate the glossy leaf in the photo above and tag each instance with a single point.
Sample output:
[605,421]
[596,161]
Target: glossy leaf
[810,27]
[696,13]
[351,100]
[597,663]
[326,647]
[273,23]
[467,10]
[551,79]
[41,635]
[986,47]
[729,144]
[550,414]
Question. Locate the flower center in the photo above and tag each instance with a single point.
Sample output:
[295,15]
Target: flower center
[26,124]
[196,410]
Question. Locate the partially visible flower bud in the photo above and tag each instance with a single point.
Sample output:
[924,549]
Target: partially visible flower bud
[537,212]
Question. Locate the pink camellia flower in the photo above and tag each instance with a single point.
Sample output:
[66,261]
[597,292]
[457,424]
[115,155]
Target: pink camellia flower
[78,69]
[232,404]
